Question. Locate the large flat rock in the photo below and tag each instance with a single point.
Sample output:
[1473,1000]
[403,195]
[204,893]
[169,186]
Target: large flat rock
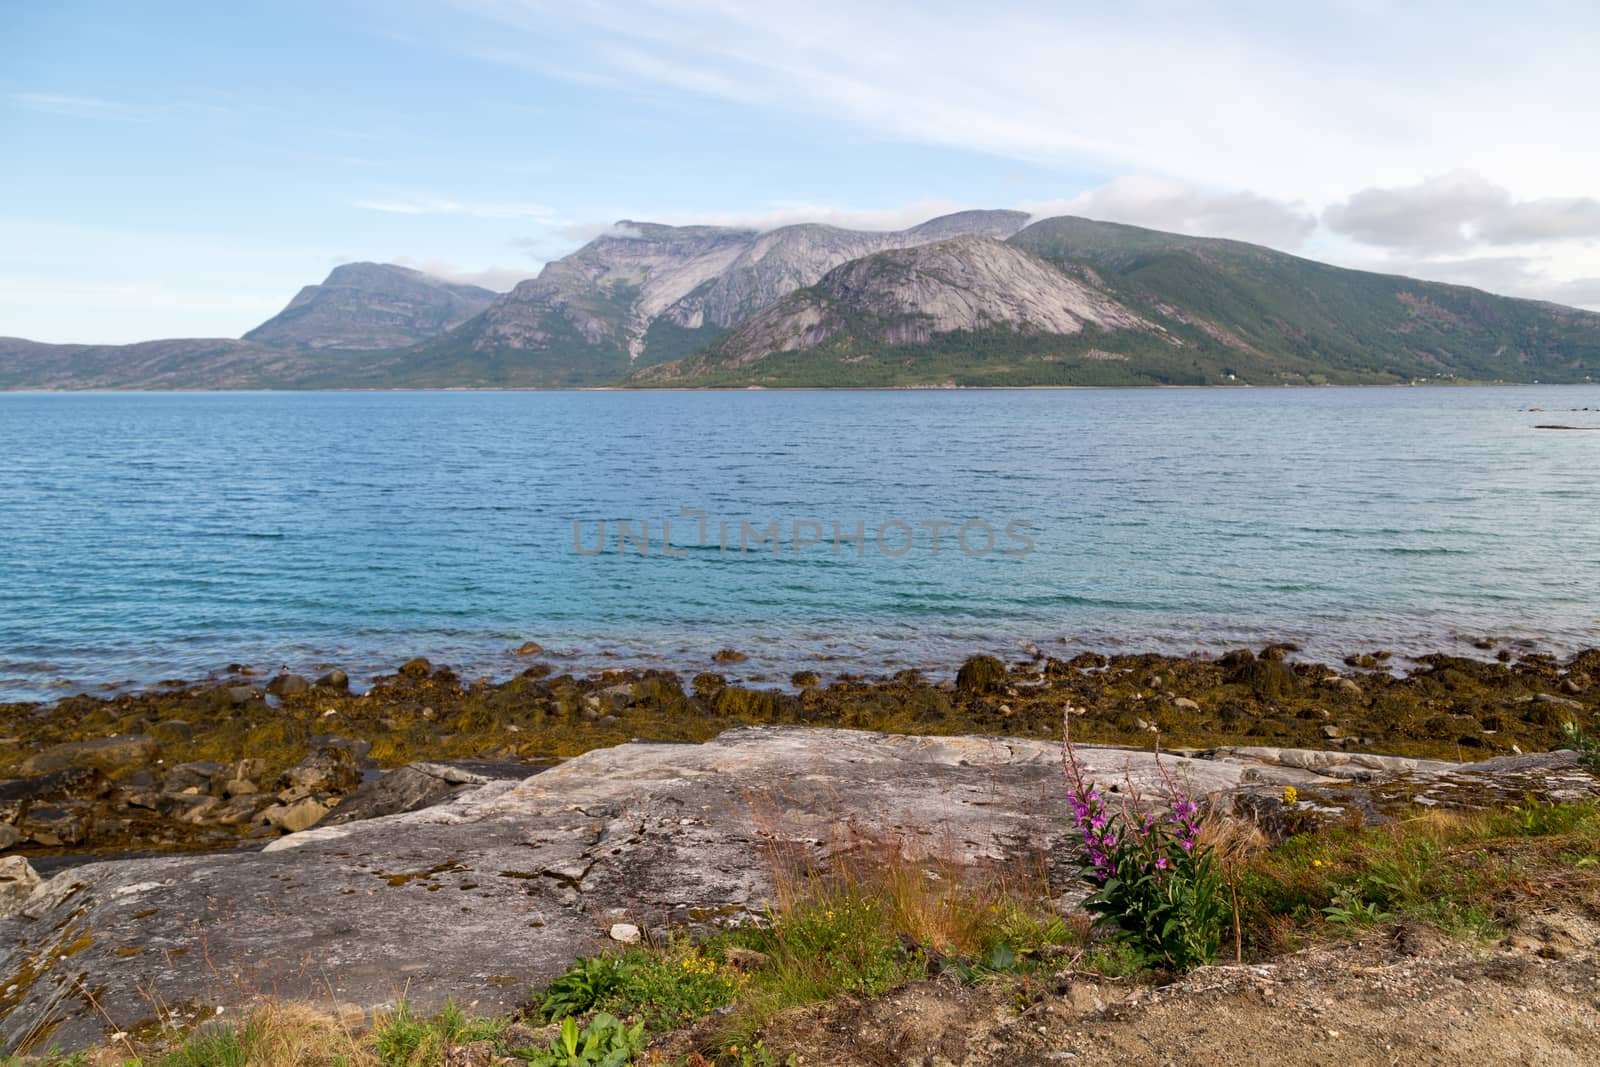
[502,886]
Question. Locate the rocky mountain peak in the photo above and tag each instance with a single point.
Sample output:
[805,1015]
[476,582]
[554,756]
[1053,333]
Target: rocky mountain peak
[372,306]
[996,224]
[908,295]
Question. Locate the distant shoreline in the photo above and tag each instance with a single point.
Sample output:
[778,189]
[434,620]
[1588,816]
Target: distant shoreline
[1242,386]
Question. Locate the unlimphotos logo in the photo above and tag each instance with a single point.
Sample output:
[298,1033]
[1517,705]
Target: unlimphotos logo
[692,531]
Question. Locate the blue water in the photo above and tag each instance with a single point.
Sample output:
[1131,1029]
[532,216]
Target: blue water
[151,536]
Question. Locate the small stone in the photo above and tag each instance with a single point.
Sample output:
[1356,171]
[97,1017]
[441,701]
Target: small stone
[334,679]
[245,768]
[186,777]
[627,933]
[328,769]
[236,812]
[292,818]
[202,807]
[528,648]
[613,698]
[239,787]
[52,825]
[288,685]
[730,655]
[746,959]
[416,668]
[1185,704]
[1331,732]
[18,880]
[231,695]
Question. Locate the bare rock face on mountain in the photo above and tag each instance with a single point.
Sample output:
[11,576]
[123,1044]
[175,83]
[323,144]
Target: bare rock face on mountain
[1160,309]
[908,296]
[997,224]
[774,265]
[645,292]
[371,306]
[606,294]
[780,261]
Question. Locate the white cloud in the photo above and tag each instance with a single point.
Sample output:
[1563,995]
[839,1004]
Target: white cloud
[1294,101]
[1166,204]
[1458,210]
[434,206]
[1306,127]
[500,279]
[778,214]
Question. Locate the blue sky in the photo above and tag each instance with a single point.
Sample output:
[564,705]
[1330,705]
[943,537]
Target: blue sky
[180,169]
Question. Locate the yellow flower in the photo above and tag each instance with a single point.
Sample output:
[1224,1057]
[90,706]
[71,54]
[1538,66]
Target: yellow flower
[1290,794]
[1316,863]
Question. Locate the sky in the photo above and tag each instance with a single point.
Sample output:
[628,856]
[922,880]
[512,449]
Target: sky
[177,168]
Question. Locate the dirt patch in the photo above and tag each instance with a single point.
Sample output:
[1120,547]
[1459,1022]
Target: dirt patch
[1400,994]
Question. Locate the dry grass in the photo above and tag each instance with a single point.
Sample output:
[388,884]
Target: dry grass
[287,1034]
[920,888]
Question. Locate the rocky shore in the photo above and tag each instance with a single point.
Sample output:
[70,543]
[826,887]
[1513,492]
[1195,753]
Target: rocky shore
[245,758]
[166,855]
[500,887]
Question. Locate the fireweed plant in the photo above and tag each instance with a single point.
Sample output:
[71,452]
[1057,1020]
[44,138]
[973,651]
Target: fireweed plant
[1155,884]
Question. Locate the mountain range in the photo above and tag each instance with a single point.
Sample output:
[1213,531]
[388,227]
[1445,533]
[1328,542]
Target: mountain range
[975,298]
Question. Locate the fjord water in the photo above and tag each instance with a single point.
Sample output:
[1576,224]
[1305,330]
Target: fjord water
[152,536]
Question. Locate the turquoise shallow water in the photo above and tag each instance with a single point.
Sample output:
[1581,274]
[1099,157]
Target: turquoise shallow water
[150,536]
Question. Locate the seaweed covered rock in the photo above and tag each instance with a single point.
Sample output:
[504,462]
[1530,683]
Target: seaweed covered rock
[334,679]
[1271,679]
[980,674]
[288,685]
[516,878]
[109,755]
[748,705]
